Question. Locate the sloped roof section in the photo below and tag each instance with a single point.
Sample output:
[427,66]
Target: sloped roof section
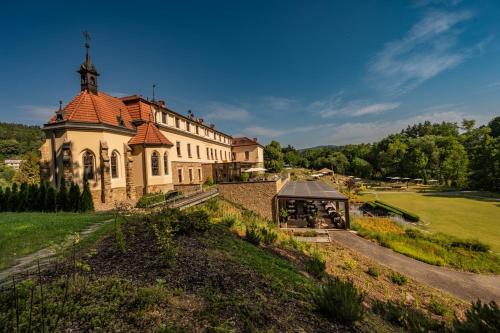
[149,134]
[244,141]
[138,109]
[97,107]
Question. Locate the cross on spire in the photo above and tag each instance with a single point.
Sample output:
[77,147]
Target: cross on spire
[88,73]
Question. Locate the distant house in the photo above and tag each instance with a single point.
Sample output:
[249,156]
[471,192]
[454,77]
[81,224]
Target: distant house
[15,164]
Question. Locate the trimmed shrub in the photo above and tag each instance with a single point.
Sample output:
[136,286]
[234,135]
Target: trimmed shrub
[150,199]
[86,202]
[252,236]
[316,265]
[398,278]
[2,204]
[41,197]
[22,198]
[12,203]
[398,211]
[32,197]
[484,318]
[339,301]
[74,197]
[245,176]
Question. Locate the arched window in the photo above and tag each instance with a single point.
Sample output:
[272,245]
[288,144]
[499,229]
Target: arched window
[88,165]
[155,164]
[165,163]
[114,165]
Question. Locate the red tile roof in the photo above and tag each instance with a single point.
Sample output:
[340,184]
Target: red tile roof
[138,109]
[244,141]
[149,134]
[96,108]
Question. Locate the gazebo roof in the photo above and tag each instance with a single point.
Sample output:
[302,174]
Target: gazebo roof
[325,170]
[310,190]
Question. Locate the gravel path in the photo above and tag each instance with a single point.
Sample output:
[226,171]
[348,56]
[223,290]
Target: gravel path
[465,285]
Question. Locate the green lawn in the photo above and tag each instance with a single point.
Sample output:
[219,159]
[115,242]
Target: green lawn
[457,215]
[25,233]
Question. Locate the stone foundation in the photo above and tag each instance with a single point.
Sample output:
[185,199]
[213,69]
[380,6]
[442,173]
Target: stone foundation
[187,189]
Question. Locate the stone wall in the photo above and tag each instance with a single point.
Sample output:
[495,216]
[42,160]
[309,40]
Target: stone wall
[187,189]
[256,196]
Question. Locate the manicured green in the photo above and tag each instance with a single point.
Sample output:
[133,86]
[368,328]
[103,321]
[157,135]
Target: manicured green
[462,216]
[25,233]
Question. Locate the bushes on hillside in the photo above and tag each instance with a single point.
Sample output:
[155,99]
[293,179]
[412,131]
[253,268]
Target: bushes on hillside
[407,317]
[484,318]
[339,300]
[45,198]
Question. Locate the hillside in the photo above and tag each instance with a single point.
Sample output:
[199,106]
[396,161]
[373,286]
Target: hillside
[17,140]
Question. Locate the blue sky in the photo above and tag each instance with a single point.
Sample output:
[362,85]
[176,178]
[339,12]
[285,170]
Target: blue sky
[302,72]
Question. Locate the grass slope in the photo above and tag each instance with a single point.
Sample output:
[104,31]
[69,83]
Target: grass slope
[25,233]
[456,215]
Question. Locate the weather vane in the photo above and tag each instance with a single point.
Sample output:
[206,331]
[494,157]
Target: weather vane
[86,36]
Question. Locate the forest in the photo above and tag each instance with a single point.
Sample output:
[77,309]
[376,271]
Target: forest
[459,156]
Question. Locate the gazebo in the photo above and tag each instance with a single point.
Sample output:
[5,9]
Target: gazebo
[326,171]
[312,204]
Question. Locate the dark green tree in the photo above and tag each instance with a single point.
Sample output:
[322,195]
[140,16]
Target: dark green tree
[13,198]
[62,197]
[74,197]
[86,202]
[41,201]
[50,205]
[32,197]
[494,125]
[2,203]
[273,157]
[6,199]
[22,201]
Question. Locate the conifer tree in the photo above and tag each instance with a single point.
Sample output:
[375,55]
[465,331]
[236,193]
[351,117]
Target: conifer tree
[42,197]
[32,197]
[22,198]
[2,203]
[6,199]
[74,197]
[62,196]
[51,200]
[86,203]
[13,198]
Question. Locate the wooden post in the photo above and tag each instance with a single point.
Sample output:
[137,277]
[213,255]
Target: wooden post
[347,218]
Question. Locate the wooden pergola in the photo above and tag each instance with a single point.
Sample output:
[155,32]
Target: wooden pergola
[311,191]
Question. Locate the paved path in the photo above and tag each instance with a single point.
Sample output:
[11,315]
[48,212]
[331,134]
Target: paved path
[465,285]
[29,262]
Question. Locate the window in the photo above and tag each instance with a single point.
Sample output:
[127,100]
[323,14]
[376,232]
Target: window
[198,152]
[188,126]
[189,150]
[178,146]
[211,153]
[88,165]
[221,155]
[165,163]
[179,175]
[114,165]
[197,130]
[208,154]
[216,158]
[155,164]
[190,171]
[215,136]
[234,156]
[225,155]
[164,117]
[177,122]
[199,175]
[247,156]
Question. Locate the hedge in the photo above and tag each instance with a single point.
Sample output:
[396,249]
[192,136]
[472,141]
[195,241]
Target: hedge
[151,199]
[407,215]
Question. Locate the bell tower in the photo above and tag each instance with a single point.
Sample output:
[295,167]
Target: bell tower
[87,71]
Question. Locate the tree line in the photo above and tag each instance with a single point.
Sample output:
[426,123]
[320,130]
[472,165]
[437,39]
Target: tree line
[44,197]
[463,156]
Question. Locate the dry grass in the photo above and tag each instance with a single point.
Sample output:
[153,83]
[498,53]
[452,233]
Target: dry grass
[383,225]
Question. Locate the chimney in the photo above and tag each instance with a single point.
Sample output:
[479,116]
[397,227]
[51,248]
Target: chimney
[212,126]
[161,103]
[254,139]
[201,120]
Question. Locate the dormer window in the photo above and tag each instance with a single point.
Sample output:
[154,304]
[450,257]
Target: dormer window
[120,120]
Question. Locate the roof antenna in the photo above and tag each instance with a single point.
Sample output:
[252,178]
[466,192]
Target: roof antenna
[154,86]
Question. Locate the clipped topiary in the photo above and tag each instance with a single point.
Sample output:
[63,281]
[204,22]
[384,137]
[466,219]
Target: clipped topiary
[41,199]
[51,200]
[86,202]
[12,204]
[22,202]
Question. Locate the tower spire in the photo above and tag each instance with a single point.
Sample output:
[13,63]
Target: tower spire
[87,71]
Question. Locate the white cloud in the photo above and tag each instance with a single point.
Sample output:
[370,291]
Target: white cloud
[37,113]
[223,111]
[336,106]
[279,103]
[428,48]
[255,131]
[424,3]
